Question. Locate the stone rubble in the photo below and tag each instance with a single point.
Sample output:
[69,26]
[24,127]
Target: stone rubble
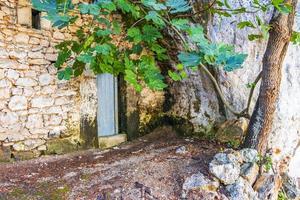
[241,189]
[237,177]
[225,167]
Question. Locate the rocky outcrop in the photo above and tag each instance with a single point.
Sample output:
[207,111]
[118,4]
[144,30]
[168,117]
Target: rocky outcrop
[196,100]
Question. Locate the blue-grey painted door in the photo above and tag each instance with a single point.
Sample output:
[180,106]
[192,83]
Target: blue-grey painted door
[107,115]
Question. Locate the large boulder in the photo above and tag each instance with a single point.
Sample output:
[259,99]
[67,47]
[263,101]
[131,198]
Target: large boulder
[232,131]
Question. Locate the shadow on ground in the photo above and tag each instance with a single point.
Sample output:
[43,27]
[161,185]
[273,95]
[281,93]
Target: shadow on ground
[152,167]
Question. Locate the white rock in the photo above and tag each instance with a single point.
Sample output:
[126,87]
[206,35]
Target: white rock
[45,79]
[4,83]
[2,75]
[14,135]
[249,155]
[42,148]
[200,181]
[28,91]
[17,91]
[7,119]
[35,55]
[34,40]
[54,120]
[12,74]
[3,104]
[51,57]
[4,93]
[225,167]
[53,110]
[38,61]
[17,103]
[19,146]
[8,64]
[50,89]
[58,35]
[31,74]
[32,144]
[22,38]
[62,101]
[290,186]
[41,102]
[45,43]
[26,82]
[17,54]
[241,190]
[249,171]
[34,121]
[57,131]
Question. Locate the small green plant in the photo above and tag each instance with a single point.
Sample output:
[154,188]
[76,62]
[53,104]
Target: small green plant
[233,143]
[282,195]
[266,162]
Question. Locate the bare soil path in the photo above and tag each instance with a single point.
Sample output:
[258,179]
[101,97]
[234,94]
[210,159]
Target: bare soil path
[148,168]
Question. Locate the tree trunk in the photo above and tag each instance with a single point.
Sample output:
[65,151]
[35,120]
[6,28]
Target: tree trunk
[262,117]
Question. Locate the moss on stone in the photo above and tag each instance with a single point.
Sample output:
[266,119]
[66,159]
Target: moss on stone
[182,126]
[5,154]
[61,146]
[111,141]
[25,155]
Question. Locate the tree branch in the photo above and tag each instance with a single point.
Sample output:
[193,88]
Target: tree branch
[252,92]
[220,93]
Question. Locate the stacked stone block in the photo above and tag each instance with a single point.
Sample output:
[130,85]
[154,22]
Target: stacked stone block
[34,105]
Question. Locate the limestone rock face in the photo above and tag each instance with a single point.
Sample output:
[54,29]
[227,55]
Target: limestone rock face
[287,115]
[225,167]
[197,100]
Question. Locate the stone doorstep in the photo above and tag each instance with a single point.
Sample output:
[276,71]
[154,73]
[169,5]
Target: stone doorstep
[110,141]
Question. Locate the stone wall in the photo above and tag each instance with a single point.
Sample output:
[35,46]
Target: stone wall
[39,113]
[35,107]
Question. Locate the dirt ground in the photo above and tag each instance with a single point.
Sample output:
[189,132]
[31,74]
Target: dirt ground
[148,168]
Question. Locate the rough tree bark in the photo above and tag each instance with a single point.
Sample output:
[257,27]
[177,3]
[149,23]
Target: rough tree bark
[262,118]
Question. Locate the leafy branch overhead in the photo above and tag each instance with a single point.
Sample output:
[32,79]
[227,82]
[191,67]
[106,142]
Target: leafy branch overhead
[142,31]
[133,46]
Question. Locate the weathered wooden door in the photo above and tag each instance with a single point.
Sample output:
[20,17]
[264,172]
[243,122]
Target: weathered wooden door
[107,116]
